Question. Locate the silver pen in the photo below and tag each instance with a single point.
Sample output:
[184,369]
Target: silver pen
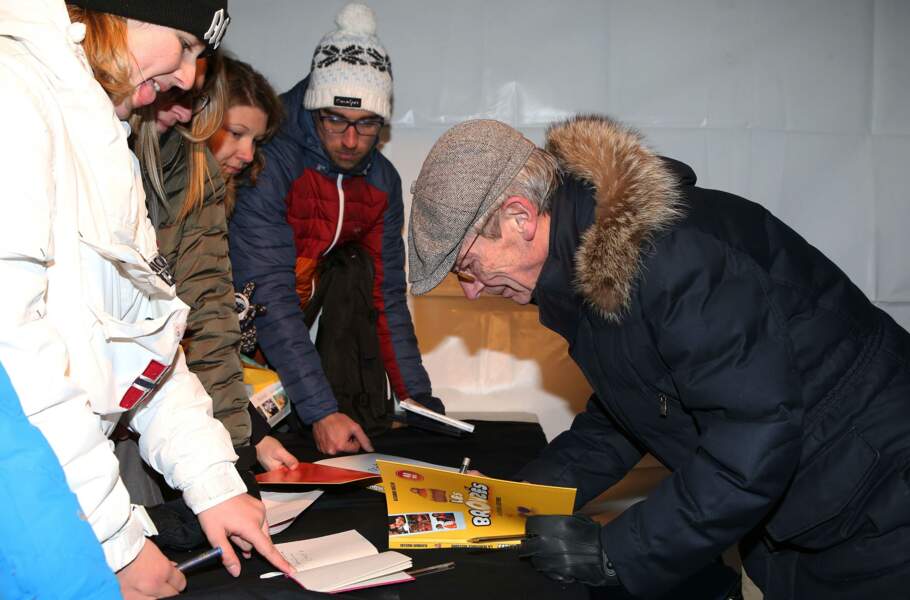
[465,464]
[430,570]
[203,558]
[412,572]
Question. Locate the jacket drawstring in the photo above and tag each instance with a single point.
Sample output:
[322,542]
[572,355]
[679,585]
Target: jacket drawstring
[340,215]
[337,230]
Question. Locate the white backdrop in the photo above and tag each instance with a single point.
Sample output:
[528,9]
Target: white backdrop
[801,105]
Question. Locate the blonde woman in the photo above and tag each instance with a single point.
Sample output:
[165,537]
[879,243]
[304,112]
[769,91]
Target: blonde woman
[252,116]
[186,199]
[89,322]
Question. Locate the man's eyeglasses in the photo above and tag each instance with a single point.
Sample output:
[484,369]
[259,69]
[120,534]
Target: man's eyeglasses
[462,275]
[338,124]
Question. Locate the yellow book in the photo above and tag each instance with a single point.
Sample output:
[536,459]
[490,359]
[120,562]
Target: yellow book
[434,508]
[266,393]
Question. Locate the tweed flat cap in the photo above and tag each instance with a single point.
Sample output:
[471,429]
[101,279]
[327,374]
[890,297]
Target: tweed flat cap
[467,169]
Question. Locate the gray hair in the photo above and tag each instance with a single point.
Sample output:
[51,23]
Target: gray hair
[535,181]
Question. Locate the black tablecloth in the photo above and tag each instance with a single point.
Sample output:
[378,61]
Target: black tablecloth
[498,449]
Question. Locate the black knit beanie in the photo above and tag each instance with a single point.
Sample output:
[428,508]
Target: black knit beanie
[206,19]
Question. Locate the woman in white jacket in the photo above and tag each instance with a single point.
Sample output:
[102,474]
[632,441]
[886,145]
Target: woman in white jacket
[89,322]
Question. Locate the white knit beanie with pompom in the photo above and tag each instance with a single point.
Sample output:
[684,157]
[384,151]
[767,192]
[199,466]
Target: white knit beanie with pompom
[351,68]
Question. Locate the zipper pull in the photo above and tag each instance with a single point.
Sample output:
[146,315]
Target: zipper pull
[664,405]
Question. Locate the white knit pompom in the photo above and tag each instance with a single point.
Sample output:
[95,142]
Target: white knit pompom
[357,18]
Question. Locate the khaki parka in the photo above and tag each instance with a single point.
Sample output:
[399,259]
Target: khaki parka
[196,250]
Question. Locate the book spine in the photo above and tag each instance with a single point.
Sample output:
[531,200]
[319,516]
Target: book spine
[430,414]
[488,546]
[397,544]
[410,545]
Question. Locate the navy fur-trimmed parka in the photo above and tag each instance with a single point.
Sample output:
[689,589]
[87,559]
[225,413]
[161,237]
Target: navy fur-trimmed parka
[723,343]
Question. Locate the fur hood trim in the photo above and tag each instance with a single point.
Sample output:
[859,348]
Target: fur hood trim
[636,195]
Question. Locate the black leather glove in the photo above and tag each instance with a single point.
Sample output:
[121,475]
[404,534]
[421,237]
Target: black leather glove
[431,402]
[567,549]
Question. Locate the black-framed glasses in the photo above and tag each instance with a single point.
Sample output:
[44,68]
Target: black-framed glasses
[338,124]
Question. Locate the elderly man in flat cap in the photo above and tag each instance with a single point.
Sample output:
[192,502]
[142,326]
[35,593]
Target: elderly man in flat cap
[715,337]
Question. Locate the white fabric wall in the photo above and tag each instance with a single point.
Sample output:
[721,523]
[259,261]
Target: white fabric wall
[801,105]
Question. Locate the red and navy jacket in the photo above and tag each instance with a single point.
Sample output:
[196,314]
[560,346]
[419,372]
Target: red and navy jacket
[282,226]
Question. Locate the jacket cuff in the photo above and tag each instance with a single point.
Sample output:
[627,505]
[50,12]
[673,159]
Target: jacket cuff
[318,416]
[259,427]
[220,482]
[621,543]
[547,472]
[123,547]
[431,402]
[239,426]
[311,407]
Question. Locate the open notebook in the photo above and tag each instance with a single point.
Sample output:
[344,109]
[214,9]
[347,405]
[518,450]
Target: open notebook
[343,562]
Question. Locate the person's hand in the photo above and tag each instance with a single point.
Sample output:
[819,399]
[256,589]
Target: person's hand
[567,549]
[339,433]
[150,575]
[272,454]
[242,519]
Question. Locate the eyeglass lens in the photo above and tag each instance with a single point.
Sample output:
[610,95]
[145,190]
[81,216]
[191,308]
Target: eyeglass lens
[336,124]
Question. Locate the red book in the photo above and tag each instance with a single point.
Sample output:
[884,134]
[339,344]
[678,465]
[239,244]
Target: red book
[312,474]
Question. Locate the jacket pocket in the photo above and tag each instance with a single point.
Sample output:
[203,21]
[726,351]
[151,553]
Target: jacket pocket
[821,491]
[889,506]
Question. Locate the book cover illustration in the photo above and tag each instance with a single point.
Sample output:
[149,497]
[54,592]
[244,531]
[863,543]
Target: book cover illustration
[266,393]
[434,508]
[417,523]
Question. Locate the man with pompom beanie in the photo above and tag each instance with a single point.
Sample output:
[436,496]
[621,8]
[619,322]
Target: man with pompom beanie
[326,185]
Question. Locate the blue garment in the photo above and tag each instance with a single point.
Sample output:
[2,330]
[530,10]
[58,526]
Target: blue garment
[745,361]
[47,550]
[263,249]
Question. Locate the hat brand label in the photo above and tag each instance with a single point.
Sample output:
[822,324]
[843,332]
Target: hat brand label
[347,102]
[217,29]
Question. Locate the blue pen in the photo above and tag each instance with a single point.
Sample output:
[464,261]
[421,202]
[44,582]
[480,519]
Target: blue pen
[203,558]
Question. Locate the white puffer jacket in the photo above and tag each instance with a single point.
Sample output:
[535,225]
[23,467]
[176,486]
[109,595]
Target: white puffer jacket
[88,327]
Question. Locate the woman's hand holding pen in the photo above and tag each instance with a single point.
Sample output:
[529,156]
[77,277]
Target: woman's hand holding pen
[150,575]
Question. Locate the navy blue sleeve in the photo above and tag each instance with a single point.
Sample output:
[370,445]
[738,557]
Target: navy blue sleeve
[732,363]
[262,250]
[397,341]
[591,456]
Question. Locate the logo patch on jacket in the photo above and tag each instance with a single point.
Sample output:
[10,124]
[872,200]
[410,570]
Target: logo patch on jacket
[145,384]
[160,267]
[347,102]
